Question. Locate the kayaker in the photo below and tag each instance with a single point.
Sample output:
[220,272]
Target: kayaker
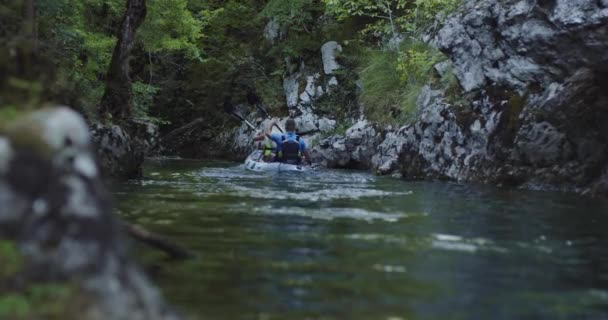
[291,148]
[266,145]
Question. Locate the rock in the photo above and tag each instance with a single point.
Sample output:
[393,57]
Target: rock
[326,125]
[535,104]
[329,51]
[119,156]
[146,134]
[54,205]
[354,150]
[517,42]
[386,159]
[311,92]
[332,82]
[272,31]
[541,144]
[443,67]
[291,89]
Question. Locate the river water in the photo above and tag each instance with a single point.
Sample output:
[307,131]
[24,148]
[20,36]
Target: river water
[350,245]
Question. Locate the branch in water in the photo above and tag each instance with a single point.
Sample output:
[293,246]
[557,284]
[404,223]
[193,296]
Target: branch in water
[174,250]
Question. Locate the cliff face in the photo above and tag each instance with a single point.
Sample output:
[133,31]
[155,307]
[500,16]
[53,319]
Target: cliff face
[534,78]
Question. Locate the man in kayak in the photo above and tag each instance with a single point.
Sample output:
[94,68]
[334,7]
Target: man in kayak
[291,148]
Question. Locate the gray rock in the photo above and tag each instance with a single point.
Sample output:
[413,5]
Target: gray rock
[291,88]
[272,31]
[516,42]
[541,144]
[533,75]
[54,205]
[443,67]
[329,51]
[326,125]
[354,150]
[307,122]
[117,152]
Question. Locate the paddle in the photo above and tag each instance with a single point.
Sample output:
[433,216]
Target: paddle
[253,99]
[229,108]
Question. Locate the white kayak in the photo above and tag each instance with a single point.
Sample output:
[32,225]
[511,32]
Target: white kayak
[254,163]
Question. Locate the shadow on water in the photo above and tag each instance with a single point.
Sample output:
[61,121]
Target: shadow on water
[349,245]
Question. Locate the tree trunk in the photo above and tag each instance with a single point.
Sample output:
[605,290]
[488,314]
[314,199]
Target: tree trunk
[117,101]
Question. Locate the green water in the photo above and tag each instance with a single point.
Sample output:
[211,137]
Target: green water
[349,245]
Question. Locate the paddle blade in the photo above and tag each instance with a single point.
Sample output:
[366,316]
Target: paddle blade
[262,110]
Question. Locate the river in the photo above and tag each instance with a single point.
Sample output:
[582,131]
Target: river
[350,245]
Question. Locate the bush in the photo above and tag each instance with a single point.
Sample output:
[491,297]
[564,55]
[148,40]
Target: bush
[392,81]
[381,86]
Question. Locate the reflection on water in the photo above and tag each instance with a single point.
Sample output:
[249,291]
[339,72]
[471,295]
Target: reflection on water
[347,245]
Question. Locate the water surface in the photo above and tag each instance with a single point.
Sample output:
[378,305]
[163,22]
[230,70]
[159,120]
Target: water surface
[349,245]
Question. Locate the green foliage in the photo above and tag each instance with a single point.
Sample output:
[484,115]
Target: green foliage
[381,86]
[143,99]
[416,61]
[392,77]
[423,14]
[170,26]
[11,260]
[392,18]
[23,300]
[343,9]
[392,81]
[292,14]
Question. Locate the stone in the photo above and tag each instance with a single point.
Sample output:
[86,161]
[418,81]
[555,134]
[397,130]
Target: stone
[326,125]
[272,31]
[54,205]
[332,82]
[443,67]
[525,33]
[541,144]
[118,155]
[329,51]
[307,122]
[354,150]
[291,88]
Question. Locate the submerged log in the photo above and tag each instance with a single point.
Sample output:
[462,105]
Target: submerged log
[157,242]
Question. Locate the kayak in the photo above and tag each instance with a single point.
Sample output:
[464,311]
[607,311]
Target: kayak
[254,163]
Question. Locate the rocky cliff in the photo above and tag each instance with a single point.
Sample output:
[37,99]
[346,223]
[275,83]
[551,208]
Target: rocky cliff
[533,78]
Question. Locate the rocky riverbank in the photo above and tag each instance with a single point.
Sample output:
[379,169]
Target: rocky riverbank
[533,81]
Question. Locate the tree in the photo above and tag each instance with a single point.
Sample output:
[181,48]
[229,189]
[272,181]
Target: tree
[394,17]
[117,99]
[384,10]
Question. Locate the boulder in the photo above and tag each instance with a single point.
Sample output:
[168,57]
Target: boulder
[272,31]
[119,155]
[291,88]
[354,150]
[55,207]
[329,51]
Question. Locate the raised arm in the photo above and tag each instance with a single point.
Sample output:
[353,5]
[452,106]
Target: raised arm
[259,136]
[269,126]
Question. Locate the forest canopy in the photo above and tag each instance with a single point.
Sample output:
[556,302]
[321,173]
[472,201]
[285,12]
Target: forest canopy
[188,54]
